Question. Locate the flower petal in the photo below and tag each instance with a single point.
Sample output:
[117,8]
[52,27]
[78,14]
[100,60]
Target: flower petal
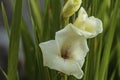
[54,61]
[82,16]
[73,68]
[50,51]
[69,40]
[87,27]
[93,25]
[91,28]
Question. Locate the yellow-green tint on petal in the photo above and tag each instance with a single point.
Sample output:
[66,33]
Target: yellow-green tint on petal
[93,25]
[90,26]
[79,23]
[82,16]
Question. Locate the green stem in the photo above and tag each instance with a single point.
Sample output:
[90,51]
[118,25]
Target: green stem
[65,77]
[64,21]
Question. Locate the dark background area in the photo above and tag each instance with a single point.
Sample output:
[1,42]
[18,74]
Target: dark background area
[4,38]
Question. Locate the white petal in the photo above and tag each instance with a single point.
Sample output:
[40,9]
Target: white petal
[54,61]
[73,68]
[68,39]
[82,14]
[91,28]
[87,27]
[50,52]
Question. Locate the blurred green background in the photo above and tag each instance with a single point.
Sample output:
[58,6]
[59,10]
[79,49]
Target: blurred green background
[24,24]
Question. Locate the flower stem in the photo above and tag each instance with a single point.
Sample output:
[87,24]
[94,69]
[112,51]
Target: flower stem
[64,22]
[65,77]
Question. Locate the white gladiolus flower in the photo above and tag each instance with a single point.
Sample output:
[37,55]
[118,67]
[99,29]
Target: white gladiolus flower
[88,26]
[66,53]
[71,7]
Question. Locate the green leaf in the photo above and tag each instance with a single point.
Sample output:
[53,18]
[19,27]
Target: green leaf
[55,10]
[118,55]
[98,56]
[36,16]
[5,19]
[46,21]
[89,67]
[14,42]
[113,75]
[29,52]
[42,73]
[108,42]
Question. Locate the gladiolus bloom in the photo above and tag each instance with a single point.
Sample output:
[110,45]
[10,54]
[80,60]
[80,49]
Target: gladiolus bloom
[66,53]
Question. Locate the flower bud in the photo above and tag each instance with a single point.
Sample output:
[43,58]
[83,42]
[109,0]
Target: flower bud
[71,7]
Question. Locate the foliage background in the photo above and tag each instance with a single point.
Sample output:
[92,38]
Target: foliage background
[103,59]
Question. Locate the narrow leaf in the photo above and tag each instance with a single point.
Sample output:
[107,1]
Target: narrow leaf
[5,19]
[14,42]
[109,40]
[29,52]
[43,73]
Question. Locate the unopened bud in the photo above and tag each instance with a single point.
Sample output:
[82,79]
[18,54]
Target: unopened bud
[71,7]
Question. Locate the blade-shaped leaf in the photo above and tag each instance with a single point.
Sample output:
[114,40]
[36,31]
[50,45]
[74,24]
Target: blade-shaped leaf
[14,42]
[109,40]
[5,19]
[29,52]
